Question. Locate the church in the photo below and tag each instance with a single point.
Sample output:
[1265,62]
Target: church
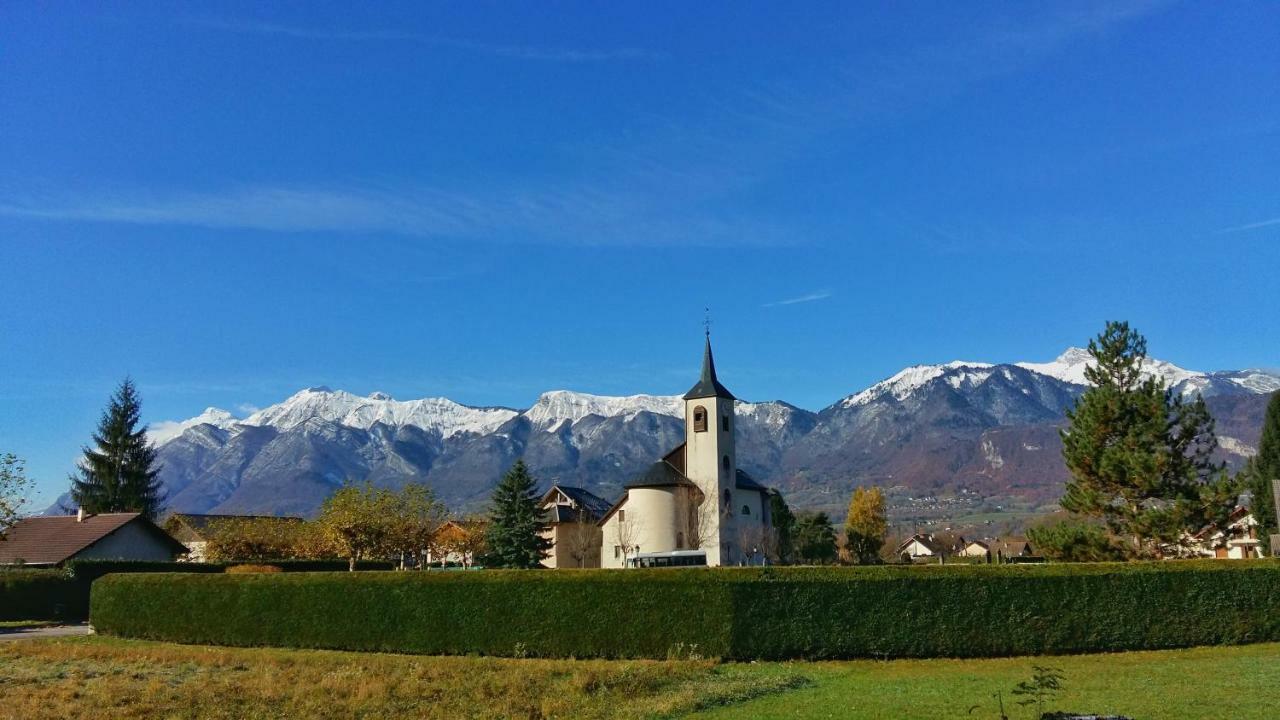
[694,505]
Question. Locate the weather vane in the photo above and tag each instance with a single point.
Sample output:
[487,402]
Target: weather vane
[706,321]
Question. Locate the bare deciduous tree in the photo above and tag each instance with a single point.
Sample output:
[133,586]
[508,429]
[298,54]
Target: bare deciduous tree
[628,533]
[582,538]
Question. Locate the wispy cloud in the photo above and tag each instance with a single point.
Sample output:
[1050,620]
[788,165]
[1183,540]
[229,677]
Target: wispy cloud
[811,297]
[518,52]
[551,213]
[1251,226]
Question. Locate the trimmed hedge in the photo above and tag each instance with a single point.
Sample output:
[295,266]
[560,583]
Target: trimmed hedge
[63,594]
[41,595]
[747,613]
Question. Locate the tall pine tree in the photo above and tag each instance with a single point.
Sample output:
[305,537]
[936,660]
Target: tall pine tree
[119,473]
[515,526]
[1139,455]
[1263,470]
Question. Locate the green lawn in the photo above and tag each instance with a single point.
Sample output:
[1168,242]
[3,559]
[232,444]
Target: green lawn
[95,677]
[1240,683]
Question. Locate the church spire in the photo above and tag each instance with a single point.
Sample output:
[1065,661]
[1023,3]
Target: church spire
[708,385]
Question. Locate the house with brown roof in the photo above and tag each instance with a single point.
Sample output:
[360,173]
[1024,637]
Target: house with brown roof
[999,549]
[50,541]
[572,516]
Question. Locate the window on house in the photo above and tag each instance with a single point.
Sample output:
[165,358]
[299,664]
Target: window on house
[724,422]
[728,500]
[746,509]
[699,419]
[622,516]
[725,462]
[679,541]
[617,551]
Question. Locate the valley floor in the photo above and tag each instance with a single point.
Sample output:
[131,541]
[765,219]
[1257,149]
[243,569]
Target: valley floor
[103,677]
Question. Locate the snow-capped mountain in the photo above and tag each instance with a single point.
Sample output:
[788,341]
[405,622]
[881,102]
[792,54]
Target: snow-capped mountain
[990,428]
[1070,367]
[164,431]
[555,408]
[435,414]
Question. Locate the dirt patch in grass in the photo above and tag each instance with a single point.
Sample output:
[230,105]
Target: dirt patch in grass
[102,677]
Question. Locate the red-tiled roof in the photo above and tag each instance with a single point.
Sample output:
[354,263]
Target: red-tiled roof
[53,539]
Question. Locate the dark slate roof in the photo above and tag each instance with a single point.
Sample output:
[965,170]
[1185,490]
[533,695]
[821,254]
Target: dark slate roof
[189,527]
[595,505]
[51,540]
[659,474]
[708,385]
[746,482]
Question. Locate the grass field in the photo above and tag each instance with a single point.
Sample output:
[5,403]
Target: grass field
[99,677]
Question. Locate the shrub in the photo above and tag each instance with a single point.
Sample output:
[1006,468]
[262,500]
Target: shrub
[746,613]
[245,569]
[40,595]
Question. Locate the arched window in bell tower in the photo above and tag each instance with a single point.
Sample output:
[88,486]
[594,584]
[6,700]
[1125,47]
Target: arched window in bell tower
[699,419]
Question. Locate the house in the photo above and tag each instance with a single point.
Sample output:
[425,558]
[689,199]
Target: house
[1240,541]
[921,546]
[572,517]
[50,541]
[195,531]
[695,497]
[999,549]
[457,542]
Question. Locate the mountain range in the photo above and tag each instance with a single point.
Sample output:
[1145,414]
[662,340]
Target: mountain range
[986,430]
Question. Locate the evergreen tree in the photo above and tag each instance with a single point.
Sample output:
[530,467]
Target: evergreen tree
[1139,455]
[866,526]
[1264,469]
[515,529]
[815,539]
[119,474]
[783,526]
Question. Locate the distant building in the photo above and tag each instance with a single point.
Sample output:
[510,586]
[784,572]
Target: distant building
[1239,541]
[999,549]
[50,541]
[695,498]
[921,546]
[195,531]
[573,526]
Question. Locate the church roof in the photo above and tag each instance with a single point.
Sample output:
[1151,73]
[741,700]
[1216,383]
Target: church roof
[708,385]
[746,482]
[659,474]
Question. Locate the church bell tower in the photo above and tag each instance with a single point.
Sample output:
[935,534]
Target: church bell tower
[711,459]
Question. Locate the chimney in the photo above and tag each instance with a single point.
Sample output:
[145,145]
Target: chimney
[79,514]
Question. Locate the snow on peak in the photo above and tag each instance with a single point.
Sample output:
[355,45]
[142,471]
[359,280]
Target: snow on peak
[554,408]
[379,395]
[166,430]
[1070,367]
[907,381]
[441,414]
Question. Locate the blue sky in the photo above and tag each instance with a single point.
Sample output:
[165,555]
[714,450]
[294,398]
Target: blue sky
[487,200]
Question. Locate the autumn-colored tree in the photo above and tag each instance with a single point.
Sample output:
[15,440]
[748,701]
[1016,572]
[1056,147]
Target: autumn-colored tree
[14,486]
[357,520]
[252,539]
[866,526]
[416,519]
[463,538]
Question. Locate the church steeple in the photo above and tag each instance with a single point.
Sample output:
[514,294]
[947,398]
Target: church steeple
[708,385]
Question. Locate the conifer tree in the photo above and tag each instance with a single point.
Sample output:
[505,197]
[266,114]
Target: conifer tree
[119,474]
[783,527]
[515,529]
[1139,455]
[866,525]
[1264,469]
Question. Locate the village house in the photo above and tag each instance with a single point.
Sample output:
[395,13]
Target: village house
[998,549]
[572,517]
[1240,541]
[694,506]
[50,541]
